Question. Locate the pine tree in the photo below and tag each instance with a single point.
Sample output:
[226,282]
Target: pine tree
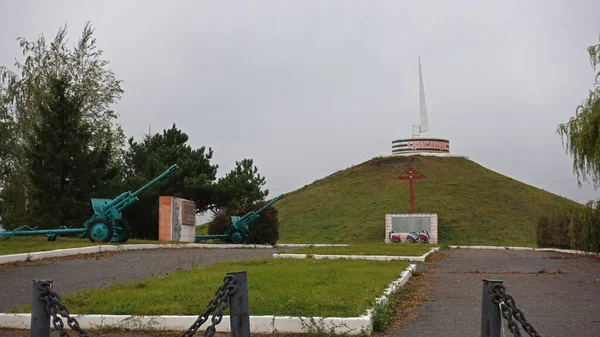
[151,156]
[64,168]
[242,187]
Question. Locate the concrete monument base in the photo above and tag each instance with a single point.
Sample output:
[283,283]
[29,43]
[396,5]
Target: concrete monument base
[411,222]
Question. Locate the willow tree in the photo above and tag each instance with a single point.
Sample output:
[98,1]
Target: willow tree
[581,134]
[584,227]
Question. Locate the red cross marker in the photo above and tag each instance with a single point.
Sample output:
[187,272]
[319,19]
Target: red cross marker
[410,175]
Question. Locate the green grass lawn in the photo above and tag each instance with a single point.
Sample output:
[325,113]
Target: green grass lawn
[28,244]
[397,249]
[475,205]
[275,287]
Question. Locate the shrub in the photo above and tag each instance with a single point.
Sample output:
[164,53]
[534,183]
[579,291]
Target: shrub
[219,223]
[576,228]
[553,228]
[265,230]
[543,231]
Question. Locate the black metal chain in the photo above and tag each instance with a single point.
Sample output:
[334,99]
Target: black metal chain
[220,303]
[507,314]
[509,309]
[54,307]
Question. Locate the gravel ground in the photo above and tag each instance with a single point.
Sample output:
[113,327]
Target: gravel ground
[556,304]
[72,275]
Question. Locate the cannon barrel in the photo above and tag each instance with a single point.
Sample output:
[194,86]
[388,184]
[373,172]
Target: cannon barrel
[126,199]
[115,201]
[162,175]
[270,203]
[253,215]
[126,202]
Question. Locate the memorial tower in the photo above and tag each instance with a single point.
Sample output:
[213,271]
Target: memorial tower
[417,144]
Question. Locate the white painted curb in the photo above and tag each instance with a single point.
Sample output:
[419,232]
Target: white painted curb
[393,287]
[258,324]
[556,250]
[109,248]
[357,257]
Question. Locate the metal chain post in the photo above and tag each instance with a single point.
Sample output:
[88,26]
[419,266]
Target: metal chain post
[509,310]
[40,317]
[491,322]
[219,303]
[46,304]
[238,310]
[54,307]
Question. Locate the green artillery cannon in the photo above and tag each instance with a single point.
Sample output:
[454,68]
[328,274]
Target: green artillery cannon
[239,231]
[106,225]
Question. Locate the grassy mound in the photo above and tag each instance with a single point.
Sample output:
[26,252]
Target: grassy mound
[476,206]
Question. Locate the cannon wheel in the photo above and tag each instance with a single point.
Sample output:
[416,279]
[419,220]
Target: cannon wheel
[124,236]
[100,230]
[237,236]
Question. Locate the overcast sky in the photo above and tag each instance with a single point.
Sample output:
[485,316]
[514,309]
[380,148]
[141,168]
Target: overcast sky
[306,88]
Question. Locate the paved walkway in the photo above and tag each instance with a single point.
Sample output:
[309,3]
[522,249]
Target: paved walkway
[556,304]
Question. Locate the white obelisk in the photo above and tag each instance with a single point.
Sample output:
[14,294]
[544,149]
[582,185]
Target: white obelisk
[417,145]
[424,123]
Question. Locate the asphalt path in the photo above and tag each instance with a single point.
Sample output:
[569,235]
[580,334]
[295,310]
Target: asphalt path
[72,275]
[558,293]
